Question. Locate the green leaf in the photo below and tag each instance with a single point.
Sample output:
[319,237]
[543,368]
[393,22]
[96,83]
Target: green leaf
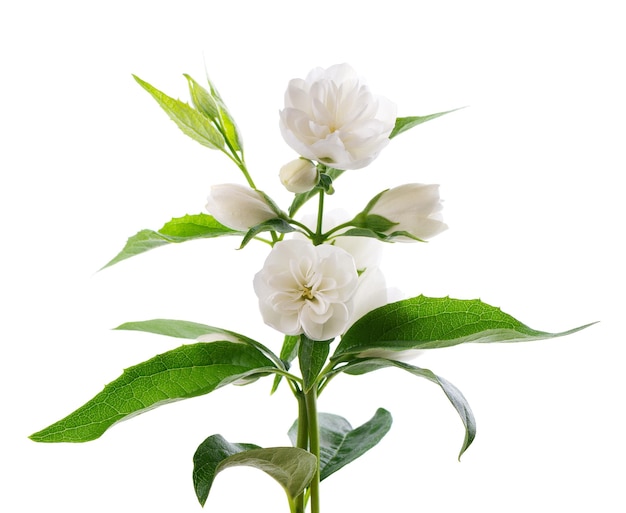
[192,330]
[404,124]
[207,459]
[202,99]
[301,198]
[383,237]
[426,323]
[291,467]
[231,131]
[454,395]
[273,225]
[192,122]
[288,354]
[185,372]
[179,229]
[340,444]
[312,356]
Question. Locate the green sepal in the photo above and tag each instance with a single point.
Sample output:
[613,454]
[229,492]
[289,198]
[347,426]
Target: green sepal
[192,122]
[301,198]
[179,229]
[425,323]
[453,394]
[340,443]
[188,371]
[312,355]
[404,124]
[291,467]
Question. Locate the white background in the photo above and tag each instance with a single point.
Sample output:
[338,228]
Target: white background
[531,173]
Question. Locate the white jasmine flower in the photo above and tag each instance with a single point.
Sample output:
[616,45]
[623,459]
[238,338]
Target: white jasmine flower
[332,117]
[239,207]
[299,175]
[414,208]
[307,289]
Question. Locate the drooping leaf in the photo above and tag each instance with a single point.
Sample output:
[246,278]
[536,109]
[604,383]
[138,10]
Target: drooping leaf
[210,453]
[291,467]
[312,356]
[179,229]
[341,444]
[454,395]
[425,323]
[192,330]
[383,237]
[192,122]
[404,124]
[185,372]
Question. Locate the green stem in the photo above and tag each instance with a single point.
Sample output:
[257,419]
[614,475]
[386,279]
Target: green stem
[302,443]
[319,237]
[314,445]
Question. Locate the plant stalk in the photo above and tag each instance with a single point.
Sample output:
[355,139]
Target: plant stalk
[314,445]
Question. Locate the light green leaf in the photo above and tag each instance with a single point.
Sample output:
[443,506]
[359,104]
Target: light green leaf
[454,395]
[340,444]
[185,372]
[426,323]
[312,356]
[231,131]
[179,229]
[192,330]
[202,99]
[192,122]
[404,124]
[291,467]
[207,459]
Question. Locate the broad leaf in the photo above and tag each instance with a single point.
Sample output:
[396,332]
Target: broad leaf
[193,330]
[425,323]
[210,453]
[340,444]
[455,396]
[291,467]
[179,229]
[312,356]
[192,122]
[188,371]
[404,124]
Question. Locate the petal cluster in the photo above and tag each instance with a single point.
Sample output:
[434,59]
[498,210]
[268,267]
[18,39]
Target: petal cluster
[332,117]
[307,289]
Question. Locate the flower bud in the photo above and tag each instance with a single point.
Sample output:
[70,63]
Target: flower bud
[299,175]
[412,208]
[238,207]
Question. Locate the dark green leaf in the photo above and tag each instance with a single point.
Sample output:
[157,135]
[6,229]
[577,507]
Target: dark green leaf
[192,330]
[179,229]
[210,453]
[192,122]
[340,444]
[425,323]
[185,372]
[273,225]
[312,356]
[288,354]
[404,124]
[455,396]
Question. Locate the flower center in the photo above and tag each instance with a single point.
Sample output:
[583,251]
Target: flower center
[307,292]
